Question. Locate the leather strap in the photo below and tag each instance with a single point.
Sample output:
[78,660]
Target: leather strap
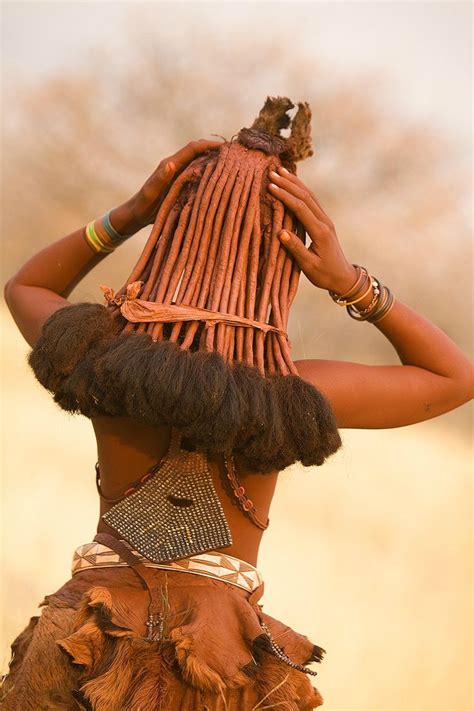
[142,571]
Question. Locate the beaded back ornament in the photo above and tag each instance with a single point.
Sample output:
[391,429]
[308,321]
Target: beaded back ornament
[176,513]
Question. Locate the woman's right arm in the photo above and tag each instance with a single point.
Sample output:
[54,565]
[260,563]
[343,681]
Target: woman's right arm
[436,376]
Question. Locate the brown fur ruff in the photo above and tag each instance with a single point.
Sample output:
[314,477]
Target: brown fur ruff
[93,370]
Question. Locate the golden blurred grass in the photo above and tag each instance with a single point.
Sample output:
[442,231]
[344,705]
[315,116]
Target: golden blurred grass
[370,556]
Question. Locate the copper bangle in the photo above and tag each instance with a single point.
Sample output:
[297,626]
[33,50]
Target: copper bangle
[354,288]
[381,307]
[385,308]
[373,308]
[362,296]
[384,297]
[375,299]
[359,294]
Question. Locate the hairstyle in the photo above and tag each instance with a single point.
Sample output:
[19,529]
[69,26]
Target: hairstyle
[196,338]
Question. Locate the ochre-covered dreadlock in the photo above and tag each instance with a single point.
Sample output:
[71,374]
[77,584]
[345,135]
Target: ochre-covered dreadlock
[196,338]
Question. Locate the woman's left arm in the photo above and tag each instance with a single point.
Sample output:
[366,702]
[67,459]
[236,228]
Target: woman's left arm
[43,284]
[435,376]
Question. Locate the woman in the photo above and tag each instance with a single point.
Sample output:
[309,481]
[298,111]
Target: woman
[130,630]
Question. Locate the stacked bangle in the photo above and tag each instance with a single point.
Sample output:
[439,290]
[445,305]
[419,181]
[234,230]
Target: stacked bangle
[342,299]
[101,236]
[380,304]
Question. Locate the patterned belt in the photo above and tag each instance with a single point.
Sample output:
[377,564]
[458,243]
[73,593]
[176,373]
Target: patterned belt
[212,564]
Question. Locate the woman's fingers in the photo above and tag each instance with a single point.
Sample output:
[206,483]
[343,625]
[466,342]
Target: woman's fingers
[316,229]
[303,257]
[165,172]
[157,181]
[191,150]
[146,200]
[290,182]
[297,181]
[324,262]
[168,166]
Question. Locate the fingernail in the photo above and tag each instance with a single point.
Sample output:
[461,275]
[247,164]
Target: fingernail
[284,236]
[272,185]
[283,170]
[169,168]
[273,174]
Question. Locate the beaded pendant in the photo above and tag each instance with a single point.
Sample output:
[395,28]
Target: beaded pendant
[176,513]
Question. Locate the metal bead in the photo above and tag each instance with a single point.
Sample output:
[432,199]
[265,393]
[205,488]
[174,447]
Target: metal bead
[164,531]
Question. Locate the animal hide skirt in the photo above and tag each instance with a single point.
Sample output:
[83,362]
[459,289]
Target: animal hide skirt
[96,647]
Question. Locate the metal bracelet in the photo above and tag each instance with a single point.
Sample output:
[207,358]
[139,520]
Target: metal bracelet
[384,309]
[374,305]
[354,288]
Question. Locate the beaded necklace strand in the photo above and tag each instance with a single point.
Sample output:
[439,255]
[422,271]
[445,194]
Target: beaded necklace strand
[245,504]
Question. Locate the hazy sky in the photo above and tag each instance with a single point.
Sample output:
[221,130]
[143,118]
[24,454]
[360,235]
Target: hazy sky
[424,47]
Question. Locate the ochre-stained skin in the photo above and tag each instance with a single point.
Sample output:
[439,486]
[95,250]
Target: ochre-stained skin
[214,244]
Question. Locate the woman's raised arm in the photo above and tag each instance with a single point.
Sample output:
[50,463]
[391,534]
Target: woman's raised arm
[42,285]
[436,376]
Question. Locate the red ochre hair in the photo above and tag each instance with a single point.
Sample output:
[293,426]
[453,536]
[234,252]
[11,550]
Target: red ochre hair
[197,337]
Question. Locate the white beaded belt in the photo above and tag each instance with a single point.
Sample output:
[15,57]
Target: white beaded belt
[212,564]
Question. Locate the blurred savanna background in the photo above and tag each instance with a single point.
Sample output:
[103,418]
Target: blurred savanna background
[370,555]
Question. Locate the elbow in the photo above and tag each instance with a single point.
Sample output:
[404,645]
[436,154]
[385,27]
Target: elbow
[455,390]
[7,289]
[462,389]
[10,292]
[468,386]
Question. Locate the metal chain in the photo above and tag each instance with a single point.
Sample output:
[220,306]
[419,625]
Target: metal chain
[278,652]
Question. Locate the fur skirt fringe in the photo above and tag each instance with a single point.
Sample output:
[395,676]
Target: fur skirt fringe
[88,650]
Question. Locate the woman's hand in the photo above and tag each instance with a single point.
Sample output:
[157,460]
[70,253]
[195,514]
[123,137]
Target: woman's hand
[323,262]
[144,205]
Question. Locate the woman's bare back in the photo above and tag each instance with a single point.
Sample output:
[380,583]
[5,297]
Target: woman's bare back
[127,449]
[434,376]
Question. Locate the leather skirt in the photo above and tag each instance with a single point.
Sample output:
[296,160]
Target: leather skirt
[95,647]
